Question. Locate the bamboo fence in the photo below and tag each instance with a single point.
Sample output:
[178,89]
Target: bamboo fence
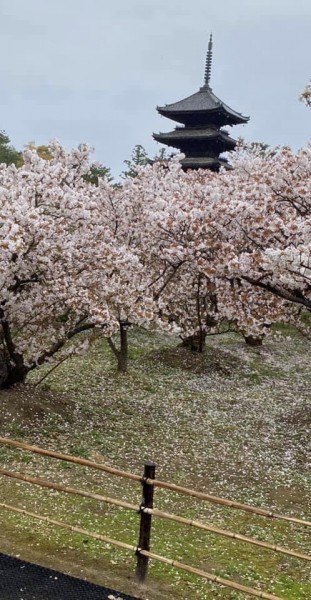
[153,511]
[173,563]
[154,482]
[146,511]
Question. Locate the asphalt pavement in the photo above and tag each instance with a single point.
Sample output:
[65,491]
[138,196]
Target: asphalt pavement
[21,580]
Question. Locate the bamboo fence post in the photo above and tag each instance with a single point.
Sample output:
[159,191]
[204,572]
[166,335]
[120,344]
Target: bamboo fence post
[145,522]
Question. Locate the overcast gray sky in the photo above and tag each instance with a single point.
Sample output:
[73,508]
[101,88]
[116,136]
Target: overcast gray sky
[94,70]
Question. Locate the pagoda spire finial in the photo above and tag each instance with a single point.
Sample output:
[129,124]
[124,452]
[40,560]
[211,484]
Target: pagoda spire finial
[208,63]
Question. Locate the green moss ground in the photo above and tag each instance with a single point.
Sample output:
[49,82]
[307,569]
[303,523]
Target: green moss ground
[234,422]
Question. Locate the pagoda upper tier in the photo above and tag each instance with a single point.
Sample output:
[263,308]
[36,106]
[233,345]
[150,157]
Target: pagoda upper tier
[202,108]
[202,115]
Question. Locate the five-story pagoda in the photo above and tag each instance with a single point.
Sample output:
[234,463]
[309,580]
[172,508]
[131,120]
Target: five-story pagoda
[201,137]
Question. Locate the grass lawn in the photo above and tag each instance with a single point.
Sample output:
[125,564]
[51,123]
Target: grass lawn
[233,422]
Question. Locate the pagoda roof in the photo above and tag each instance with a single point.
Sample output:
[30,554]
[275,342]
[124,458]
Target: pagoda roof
[203,133]
[203,106]
[202,102]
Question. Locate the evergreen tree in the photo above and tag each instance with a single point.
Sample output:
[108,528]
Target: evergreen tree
[96,172]
[139,158]
[163,154]
[8,154]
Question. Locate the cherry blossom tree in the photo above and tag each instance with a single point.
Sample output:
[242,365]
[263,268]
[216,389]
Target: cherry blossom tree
[264,222]
[61,272]
[305,96]
[172,220]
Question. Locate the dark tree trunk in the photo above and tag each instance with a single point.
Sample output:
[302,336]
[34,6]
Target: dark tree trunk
[195,342]
[201,341]
[12,367]
[3,369]
[251,340]
[13,375]
[11,371]
[123,352]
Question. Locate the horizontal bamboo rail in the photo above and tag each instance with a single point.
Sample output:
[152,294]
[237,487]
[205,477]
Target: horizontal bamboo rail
[155,482]
[229,503]
[226,533]
[173,563]
[69,458]
[68,490]
[153,511]
[210,577]
[74,528]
